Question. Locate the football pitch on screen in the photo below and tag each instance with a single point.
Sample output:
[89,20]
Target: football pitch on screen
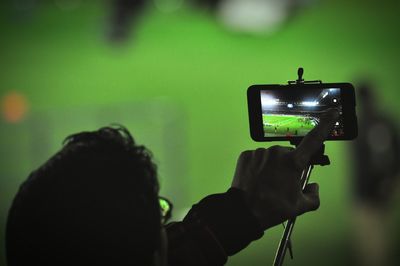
[287,125]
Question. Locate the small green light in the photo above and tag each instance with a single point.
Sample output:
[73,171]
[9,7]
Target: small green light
[165,206]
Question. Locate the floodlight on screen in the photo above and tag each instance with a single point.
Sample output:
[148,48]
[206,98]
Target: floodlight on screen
[313,103]
[269,101]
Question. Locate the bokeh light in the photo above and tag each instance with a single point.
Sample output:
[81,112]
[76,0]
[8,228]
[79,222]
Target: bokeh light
[14,107]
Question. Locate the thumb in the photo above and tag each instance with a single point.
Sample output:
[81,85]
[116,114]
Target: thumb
[310,200]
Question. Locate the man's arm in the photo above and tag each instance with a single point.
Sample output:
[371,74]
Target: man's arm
[219,226]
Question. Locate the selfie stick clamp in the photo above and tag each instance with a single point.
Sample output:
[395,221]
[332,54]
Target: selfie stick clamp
[300,80]
[318,159]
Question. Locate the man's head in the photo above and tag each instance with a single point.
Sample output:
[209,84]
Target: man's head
[95,202]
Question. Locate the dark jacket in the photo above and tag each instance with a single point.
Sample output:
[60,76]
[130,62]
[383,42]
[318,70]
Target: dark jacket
[219,226]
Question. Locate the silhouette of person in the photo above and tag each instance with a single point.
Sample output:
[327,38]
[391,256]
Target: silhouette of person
[96,202]
[376,154]
[124,16]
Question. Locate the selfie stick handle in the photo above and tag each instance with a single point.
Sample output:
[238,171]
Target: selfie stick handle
[285,241]
[318,159]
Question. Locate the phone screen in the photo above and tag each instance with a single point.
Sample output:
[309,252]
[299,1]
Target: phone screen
[291,113]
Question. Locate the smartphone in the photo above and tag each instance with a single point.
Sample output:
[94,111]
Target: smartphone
[289,112]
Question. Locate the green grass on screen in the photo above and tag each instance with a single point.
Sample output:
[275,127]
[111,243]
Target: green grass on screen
[286,125]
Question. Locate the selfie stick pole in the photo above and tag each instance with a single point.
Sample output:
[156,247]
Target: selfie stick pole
[318,159]
[285,243]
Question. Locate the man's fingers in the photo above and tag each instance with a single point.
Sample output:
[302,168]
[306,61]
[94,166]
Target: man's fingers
[312,142]
[310,198]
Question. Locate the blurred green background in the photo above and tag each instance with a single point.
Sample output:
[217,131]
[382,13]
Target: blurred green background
[179,84]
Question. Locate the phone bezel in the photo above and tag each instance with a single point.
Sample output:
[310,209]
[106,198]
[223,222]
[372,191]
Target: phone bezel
[255,116]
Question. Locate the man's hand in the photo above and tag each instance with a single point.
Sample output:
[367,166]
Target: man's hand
[270,177]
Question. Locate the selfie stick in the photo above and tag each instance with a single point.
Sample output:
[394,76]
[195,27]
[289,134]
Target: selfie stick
[318,159]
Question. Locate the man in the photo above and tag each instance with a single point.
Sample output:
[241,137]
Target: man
[376,155]
[96,203]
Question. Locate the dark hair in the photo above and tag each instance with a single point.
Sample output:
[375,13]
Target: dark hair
[95,202]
